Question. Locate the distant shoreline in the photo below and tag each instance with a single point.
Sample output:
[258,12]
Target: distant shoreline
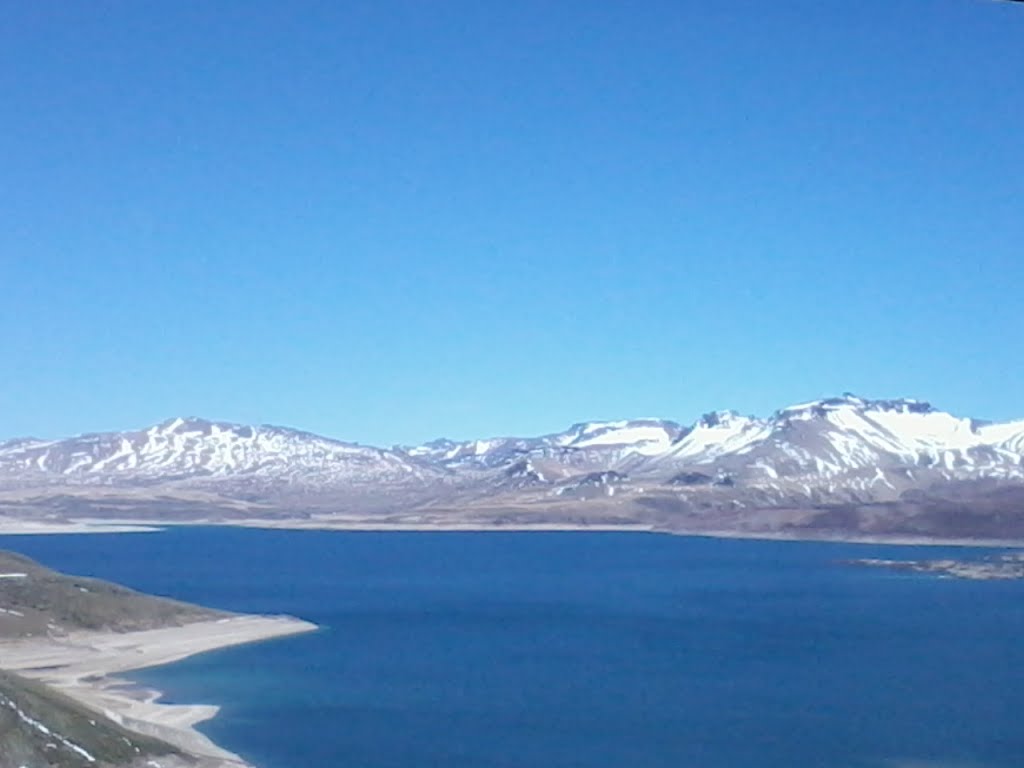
[10,527]
[92,526]
[84,665]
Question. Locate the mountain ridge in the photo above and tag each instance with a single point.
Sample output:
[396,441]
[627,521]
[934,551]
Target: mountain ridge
[845,450]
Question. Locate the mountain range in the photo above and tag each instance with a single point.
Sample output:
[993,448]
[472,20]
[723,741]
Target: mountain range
[837,467]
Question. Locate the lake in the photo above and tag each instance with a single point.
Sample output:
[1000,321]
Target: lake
[582,650]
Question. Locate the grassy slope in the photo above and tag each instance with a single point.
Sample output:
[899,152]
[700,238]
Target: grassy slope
[45,602]
[49,602]
[25,743]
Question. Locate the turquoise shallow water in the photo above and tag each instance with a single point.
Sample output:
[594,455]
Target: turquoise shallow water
[583,650]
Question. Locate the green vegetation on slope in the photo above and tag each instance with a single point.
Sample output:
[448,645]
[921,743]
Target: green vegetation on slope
[35,601]
[41,727]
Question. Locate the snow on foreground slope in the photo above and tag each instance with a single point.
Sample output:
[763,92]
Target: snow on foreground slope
[883,446]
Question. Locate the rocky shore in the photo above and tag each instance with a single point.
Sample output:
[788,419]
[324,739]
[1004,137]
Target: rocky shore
[995,567]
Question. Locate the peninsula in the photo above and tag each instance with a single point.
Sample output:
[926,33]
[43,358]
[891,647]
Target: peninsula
[64,641]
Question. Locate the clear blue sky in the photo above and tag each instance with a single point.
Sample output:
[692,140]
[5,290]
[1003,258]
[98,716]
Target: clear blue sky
[390,221]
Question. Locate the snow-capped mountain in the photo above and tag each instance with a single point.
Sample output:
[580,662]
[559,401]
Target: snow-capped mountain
[196,449]
[714,435]
[646,437]
[601,442]
[817,442]
[823,441]
[821,455]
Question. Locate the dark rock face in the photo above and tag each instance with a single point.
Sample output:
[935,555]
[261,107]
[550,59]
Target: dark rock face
[691,478]
[603,478]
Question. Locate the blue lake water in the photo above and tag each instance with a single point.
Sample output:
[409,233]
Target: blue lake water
[583,650]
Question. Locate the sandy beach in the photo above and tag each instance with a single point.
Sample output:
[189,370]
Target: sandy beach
[15,527]
[84,665]
[325,523]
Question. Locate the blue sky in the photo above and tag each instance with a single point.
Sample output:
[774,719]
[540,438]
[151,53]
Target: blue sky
[390,221]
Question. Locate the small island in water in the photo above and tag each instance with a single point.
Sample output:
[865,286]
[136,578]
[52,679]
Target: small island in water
[994,567]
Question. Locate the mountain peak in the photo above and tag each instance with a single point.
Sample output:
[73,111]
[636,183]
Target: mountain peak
[200,427]
[182,424]
[721,419]
[850,401]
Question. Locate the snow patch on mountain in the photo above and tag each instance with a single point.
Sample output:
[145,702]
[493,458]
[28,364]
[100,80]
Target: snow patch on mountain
[642,436]
[605,441]
[183,448]
[716,434]
[846,445]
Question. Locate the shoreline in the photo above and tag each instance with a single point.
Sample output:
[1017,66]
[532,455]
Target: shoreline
[363,525]
[9,527]
[86,666]
[469,527]
[866,539]
[93,526]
